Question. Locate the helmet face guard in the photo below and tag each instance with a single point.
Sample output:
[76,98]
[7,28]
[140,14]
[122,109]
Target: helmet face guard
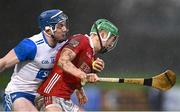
[59,19]
[113,45]
[106,47]
[113,32]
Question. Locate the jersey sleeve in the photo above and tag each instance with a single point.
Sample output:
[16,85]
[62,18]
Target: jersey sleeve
[26,50]
[76,44]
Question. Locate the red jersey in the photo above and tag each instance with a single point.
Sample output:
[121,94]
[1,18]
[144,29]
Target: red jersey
[62,84]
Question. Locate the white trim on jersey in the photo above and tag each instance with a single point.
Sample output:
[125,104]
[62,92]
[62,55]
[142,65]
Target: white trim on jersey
[52,82]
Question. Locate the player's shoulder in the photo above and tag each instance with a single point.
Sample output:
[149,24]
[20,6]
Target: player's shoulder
[37,38]
[77,40]
[79,37]
[26,42]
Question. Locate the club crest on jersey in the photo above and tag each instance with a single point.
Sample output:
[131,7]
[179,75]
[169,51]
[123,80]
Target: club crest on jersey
[85,67]
[73,43]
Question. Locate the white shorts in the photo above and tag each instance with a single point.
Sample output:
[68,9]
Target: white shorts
[65,105]
[8,99]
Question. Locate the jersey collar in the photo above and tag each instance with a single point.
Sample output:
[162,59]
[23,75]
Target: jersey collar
[90,42]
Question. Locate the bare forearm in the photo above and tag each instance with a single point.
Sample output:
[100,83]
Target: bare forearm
[2,65]
[82,98]
[81,90]
[9,60]
[65,63]
[70,68]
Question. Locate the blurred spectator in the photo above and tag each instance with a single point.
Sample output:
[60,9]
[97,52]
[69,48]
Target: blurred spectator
[155,98]
[172,99]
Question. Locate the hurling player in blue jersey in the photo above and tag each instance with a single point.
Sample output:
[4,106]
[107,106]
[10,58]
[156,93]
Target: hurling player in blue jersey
[33,58]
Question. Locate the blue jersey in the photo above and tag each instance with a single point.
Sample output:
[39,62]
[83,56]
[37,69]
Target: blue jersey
[36,60]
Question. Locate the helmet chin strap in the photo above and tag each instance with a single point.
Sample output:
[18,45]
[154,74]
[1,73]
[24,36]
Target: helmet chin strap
[52,32]
[103,49]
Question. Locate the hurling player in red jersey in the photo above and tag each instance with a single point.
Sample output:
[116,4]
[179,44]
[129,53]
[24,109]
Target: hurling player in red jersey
[74,63]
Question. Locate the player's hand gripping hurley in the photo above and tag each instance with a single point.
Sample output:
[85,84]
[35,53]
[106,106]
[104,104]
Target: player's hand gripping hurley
[163,81]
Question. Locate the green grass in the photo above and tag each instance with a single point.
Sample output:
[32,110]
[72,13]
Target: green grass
[4,79]
[118,86]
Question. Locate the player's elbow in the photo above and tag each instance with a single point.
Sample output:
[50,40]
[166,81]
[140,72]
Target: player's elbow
[60,64]
[63,64]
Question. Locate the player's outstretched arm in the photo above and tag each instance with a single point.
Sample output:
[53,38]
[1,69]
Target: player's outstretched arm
[8,60]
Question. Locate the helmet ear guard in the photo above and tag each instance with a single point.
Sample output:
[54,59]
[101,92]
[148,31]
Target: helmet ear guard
[47,28]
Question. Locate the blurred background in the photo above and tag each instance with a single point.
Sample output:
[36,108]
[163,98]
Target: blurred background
[148,45]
